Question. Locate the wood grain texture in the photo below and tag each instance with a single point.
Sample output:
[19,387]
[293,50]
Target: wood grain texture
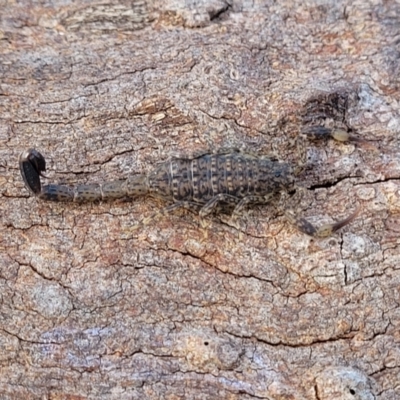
[92,310]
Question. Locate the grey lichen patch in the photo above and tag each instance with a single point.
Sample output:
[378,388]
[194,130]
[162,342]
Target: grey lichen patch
[209,352]
[9,346]
[50,301]
[109,17]
[343,383]
[44,297]
[192,13]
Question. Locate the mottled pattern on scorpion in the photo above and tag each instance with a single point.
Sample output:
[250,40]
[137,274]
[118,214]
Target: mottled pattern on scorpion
[201,183]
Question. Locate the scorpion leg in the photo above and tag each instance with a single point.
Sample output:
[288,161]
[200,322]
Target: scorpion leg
[187,205]
[243,203]
[325,230]
[212,204]
[251,200]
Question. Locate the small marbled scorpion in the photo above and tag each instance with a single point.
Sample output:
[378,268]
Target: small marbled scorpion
[201,183]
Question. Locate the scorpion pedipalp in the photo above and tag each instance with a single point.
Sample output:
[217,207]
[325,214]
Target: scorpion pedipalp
[325,230]
[340,135]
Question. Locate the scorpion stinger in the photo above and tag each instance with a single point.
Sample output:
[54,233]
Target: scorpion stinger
[31,165]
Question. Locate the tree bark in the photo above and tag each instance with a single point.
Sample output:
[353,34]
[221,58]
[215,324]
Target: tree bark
[90,309]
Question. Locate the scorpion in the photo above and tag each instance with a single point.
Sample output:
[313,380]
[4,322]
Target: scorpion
[202,183]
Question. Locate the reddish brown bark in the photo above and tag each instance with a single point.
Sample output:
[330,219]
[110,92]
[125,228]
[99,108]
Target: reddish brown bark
[90,309]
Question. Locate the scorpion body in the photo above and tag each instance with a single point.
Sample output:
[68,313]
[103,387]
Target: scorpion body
[201,183]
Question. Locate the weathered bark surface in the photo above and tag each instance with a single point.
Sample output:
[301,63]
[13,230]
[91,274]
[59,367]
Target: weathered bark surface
[90,309]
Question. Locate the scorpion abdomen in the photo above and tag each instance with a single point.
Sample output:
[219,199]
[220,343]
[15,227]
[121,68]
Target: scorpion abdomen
[201,179]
